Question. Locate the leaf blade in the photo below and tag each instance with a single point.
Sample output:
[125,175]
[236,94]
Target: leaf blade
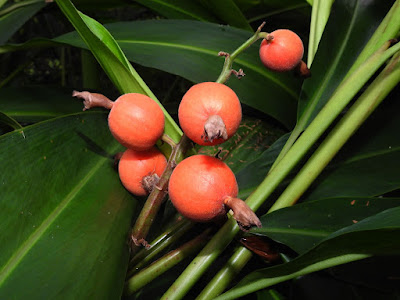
[80,201]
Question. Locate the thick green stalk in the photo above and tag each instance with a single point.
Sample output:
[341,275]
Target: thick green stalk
[339,100]
[328,114]
[225,276]
[166,239]
[353,119]
[267,282]
[165,263]
[389,28]
[202,261]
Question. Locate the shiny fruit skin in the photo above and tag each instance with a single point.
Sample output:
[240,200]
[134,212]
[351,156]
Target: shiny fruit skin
[204,100]
[134,165]
[136,121]
[199,185]
[283,53]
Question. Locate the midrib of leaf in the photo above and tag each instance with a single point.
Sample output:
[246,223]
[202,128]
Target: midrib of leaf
[177,8]
[310,108]
[303,232]
[365,156]
[278,11]
[213,53]
[20,253]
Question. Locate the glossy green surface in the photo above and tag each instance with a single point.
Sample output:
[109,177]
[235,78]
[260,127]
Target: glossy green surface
[64,215]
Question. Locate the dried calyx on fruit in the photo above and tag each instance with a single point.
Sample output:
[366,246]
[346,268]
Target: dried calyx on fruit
[209,113]
[203,188]
[281,50]
[135,120]
[140,171]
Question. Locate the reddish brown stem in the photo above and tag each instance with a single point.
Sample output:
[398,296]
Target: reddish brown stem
[214,128]
[91,100]
[156,197]
[302,70]
[150,182]
[242,213]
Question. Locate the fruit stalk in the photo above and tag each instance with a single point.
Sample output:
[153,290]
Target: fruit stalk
[229,58]
[225,235]
[166,262]
[166,239]
[156,197]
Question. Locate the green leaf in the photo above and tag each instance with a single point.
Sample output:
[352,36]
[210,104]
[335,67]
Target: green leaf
[14,16]
[350,26]
[251,175]
[110,56]
[251,140]
[264,10]
[179,9]
[9,121]
[320,14]
[189,49]
[368,164]
[376,235]
[37,103]
[64,214]
[33,43]
[227,11]
[304,225]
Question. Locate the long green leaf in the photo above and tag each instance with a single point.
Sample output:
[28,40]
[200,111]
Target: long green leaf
[112,59]
[319,17]
[358,171]
[264,10]
[13,17]
[303,226]
[64,215]
[376,235]
[33,43]
[190,48]
[37,103]
[179,9]
[227,11]
[348,30]
[9,121]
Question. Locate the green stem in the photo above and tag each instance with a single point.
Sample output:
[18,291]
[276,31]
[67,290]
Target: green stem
[339,100]
[166,239]
[220,281]
[163,264]
[353,119]
[229,58]
[389,28]
[202,261]
[343,95]
[328,114]
[375,93]
[267,282]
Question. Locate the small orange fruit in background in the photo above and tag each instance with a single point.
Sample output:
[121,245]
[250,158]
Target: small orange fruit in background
[207,104]
[282,53]
[140,170]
